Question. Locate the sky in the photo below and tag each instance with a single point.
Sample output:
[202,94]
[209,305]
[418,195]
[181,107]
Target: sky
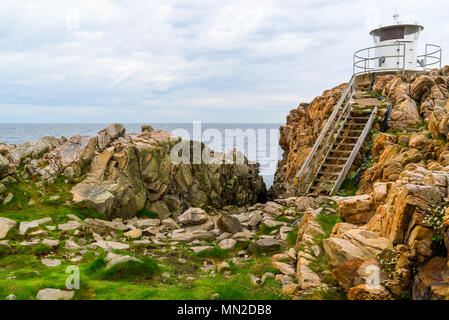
[150,61]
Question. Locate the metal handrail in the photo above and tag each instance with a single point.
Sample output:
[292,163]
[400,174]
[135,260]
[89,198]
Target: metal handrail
[363,62]
[349,89]
[366,60]
[430,55]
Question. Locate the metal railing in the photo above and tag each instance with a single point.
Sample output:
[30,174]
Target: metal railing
[434,56]
[363,60]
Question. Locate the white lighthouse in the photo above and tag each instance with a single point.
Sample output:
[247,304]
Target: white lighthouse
[396,50]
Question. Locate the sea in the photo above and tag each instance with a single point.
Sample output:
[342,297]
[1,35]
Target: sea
[258,141]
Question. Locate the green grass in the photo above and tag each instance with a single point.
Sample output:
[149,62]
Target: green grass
[20,210]
[327,222]
[23,274]
[264,229]
[147,213]
[131,270]
[291,237]
[96,265]
[214,253]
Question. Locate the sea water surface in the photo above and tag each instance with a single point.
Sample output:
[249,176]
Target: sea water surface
[18,133]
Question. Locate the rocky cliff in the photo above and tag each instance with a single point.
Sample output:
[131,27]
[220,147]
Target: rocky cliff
[395,219]
[121,174]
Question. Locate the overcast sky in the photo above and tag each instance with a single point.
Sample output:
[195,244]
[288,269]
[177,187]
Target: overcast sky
[179,61]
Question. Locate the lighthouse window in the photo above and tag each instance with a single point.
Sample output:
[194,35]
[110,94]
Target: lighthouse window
[392,33]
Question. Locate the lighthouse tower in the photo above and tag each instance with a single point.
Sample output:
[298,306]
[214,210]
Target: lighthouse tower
[397,45]
[395,50]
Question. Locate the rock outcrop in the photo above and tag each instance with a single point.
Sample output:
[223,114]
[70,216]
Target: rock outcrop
[136,172]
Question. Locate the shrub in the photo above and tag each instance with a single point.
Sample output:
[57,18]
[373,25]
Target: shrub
[214,253]
[388,260]
[132,270]
[96,265]
[434,219]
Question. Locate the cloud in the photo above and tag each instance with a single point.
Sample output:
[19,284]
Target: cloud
[172,61]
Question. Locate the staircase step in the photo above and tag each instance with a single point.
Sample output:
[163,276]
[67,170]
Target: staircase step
[347,144]
[345,130]
[348,137]
[367,110]
[342,151]
[337,158]
[326,181]
[358,118]
[334,165]
[330,173]
[355,124]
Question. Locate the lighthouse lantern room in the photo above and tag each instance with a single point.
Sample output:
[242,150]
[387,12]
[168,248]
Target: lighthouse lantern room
[396,50]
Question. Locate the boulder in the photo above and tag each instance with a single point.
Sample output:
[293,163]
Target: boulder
[51,262]
[5,226]
[264,245]
[35,149]
[5,167]
[71,225]
[365,292]
[432,281]
[403,212]
[54,294]
[193,216]
[227,244]
[356,210]
[228,223]
[421,87]
[142,170]
[26,225]
[354,244]
[134,234]
[307,279]
[284,268]
[148,223]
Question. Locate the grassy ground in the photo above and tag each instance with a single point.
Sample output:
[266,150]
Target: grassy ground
[23,274]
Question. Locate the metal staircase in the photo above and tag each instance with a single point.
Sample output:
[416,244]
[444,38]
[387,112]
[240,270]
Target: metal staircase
[337,146]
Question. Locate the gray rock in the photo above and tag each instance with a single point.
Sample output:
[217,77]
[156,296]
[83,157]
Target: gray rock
[265,245]
[71,225]
[54,294]
[255,218]
[229,223]
[272,223]
[284,268]
[243,235]
[170,224]
[110,245]
[5,226]
[192,217]
[254,280]
[26,225]
[71,245]
[8,199]
[148,223]
[266,275]
[121,259]
[51,262]
[74,217]
[11,297]
[227,244]
[200,248]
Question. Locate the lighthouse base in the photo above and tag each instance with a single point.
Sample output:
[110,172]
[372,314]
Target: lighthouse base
[363,81]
